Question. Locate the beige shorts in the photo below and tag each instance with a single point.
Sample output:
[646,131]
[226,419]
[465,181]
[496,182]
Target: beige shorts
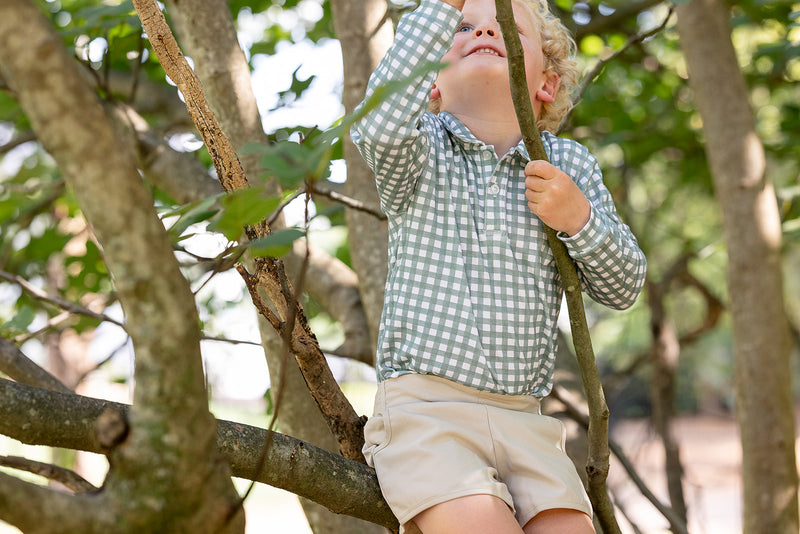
[431,440]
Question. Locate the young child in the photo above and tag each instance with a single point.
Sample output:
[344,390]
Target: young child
[467,341]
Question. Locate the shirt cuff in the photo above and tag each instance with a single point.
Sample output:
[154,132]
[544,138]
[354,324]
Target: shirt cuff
[588,239]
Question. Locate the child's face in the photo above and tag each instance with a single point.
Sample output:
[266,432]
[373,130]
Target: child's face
[478,61]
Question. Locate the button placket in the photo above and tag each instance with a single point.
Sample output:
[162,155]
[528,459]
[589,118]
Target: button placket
[494,201]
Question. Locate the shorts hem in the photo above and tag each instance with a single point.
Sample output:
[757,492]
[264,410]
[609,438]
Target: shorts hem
[580,506]
[439,499]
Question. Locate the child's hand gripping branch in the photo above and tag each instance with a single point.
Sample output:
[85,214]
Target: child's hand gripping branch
[555,198]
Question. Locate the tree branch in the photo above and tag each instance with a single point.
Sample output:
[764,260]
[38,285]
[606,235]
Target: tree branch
[55,300]
[18,366]
[68,478]
[344,486]
[580,417]
[595,72]
[622,12]
[597,462]
[270,275]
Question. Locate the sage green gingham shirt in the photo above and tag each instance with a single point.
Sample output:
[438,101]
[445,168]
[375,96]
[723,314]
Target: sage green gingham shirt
[472,293]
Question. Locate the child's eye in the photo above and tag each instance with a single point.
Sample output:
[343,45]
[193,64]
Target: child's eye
[464,28]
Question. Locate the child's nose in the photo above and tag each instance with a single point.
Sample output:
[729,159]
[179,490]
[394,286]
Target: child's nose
[488,29]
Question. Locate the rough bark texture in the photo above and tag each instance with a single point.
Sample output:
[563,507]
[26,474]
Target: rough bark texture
[166,476]
[753,237]
[69,421]
[208,35]
[365,34]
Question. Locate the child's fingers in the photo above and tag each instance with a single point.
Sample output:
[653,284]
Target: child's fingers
[542,169]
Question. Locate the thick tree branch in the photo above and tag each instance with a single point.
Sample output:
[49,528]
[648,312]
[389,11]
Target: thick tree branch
[169,452]
[751,221]
[365,33]
[70,421]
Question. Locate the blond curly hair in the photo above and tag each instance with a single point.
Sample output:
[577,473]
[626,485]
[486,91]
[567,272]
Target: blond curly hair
[559,50]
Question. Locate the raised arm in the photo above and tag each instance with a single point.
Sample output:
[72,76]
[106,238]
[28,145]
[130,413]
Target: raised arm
[392,137]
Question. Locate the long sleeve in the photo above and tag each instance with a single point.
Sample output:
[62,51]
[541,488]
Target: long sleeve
[391,137]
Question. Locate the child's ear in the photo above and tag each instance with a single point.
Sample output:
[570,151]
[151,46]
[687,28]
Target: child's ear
[547,93]
[435,93]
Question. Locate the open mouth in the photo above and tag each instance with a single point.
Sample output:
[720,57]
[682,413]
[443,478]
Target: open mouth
[486,50]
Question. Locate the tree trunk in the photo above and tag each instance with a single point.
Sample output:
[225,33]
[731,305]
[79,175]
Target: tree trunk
[167,475]
[208,35]
[365,33]
[753,237]
[665,353]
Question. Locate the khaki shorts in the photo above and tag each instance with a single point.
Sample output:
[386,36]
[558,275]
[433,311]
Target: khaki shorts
[431,440]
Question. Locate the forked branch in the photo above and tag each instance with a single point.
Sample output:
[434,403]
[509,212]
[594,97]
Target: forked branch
[269,286]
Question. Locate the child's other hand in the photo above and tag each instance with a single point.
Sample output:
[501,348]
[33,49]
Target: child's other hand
[555,198]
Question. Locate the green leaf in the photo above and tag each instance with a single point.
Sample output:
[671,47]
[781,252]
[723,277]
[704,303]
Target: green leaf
[276,244]
[21,321]
[241,208]
[190,214]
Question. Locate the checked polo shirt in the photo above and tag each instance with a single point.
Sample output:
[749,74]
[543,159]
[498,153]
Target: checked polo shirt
[472,293]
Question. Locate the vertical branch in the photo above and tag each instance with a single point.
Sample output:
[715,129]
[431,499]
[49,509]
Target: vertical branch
[270,276]
[597,463]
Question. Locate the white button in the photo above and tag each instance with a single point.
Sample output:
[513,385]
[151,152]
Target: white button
[493,188]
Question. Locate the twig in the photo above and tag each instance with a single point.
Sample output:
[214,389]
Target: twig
[347,201]
[592,75]
[51,323]
[68,478]
[597,461]
[14,143]
[64,304]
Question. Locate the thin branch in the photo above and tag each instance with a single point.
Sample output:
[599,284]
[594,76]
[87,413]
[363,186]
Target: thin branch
[597,462]
[55,300]
[578,415]
[347,201]
[19,140]
[231,341]
[622,12]
[18,366]
[595,72]
[67,477]
[52,322]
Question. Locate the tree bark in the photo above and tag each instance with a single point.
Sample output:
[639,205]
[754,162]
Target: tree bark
[166,474]
[753,236]
[365,33]
[69,421]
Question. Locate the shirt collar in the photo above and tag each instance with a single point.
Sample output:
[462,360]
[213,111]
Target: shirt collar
[466,137]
